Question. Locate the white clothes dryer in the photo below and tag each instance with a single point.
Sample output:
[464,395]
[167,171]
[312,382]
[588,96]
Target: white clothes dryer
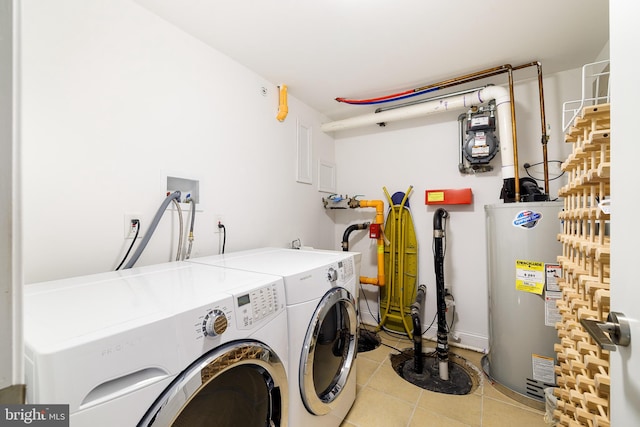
[177,344]
[321,309]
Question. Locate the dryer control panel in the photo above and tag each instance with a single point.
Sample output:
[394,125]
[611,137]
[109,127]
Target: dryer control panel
[256,305]
[341,272]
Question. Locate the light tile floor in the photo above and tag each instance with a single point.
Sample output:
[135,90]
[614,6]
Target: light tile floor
[384,399]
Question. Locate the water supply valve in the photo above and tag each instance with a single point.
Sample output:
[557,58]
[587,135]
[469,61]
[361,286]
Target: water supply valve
[336,201]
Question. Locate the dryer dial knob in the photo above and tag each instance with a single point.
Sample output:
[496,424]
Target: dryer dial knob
[215,323]
[332,274]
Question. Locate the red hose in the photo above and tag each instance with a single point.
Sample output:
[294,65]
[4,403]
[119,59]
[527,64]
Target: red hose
[382,98]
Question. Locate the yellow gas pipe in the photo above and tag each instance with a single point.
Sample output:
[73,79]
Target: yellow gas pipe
[379,205]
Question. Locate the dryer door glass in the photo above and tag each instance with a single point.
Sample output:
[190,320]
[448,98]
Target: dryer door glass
[329,351]
[237,397]
[243,384]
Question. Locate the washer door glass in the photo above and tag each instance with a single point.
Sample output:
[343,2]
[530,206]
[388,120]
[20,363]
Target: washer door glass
[243,384]
[329,351]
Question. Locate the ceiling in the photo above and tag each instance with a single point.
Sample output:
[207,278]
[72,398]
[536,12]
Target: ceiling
[369,48]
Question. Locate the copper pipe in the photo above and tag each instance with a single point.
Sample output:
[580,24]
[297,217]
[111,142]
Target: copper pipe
[543,124]
[472,79]
[444,86]
[490,72]
[545,161]
[514,133]
[466,78]
[527,65]
[544,137]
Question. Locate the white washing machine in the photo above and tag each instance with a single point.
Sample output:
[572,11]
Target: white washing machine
[176,344]
[320,288]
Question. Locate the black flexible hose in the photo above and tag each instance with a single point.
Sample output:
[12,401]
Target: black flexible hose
[349,230]
[442,348]
[416,313]
[135,238]
[224,236]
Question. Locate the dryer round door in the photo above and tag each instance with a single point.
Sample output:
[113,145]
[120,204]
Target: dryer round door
[329,351]
[239,384]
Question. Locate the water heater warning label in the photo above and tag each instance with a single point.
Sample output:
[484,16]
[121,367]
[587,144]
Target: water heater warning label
[530,276]
[543,369]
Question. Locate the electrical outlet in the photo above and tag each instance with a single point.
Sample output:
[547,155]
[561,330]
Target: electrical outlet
[219,220]
[130,227]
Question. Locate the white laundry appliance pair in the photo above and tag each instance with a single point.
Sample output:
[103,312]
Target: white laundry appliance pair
[178,344]
[321,291]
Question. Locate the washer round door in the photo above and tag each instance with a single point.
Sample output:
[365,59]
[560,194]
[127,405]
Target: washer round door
[239,384]
[329,351]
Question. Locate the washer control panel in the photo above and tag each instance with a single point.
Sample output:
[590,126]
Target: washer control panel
[256,305]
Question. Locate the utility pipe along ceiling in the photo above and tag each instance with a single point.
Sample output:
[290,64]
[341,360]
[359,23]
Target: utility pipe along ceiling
[352,49]
[503,99]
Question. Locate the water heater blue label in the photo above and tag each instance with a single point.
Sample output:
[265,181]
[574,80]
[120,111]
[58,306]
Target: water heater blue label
[527,219]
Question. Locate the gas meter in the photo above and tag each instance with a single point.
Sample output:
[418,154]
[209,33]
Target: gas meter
[481,143]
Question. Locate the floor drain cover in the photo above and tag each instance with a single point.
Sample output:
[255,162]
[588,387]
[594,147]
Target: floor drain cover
[463,378]
[367,341]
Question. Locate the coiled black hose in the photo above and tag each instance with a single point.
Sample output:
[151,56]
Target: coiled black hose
[442,348]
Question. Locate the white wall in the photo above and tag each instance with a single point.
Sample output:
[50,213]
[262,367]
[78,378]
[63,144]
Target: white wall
[113,98]
[424,153]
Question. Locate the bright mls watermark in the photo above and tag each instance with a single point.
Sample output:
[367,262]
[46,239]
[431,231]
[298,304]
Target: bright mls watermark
[34,415]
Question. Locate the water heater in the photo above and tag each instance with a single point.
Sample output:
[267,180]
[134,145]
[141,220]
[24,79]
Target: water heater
[522,250]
